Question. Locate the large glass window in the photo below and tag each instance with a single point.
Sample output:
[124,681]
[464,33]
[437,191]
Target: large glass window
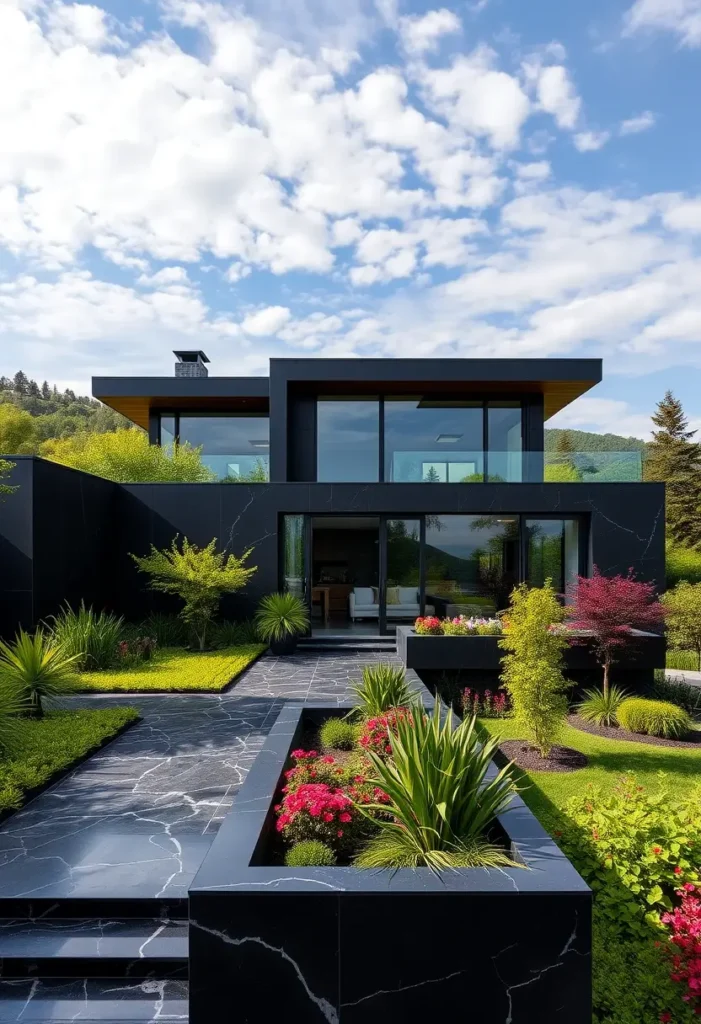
[166,436]
[348,440]
[234,447]
[504,431]
[471,562]
[402,593]
[293,554]
[433,441]
[552,552]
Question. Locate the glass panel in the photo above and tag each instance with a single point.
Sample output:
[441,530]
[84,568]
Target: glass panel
[505,441]
[167,434]
[345,595]
[403,571]
[293,555]
[433,441]
[235,447]
[348,440]
[553,552]
[471,563]
[593,467]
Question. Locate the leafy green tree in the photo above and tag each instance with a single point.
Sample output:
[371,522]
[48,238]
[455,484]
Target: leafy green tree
[675,458]
[683,606]
[532,667]
[17,431]
[5,468]
[198,576]
[127,457]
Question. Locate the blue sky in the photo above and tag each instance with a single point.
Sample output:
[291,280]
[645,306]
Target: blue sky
[372,178]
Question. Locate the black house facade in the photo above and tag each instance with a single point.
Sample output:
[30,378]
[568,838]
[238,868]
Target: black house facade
[376,489]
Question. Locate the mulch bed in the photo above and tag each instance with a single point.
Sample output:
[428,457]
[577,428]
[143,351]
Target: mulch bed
[616,733]
[561,759]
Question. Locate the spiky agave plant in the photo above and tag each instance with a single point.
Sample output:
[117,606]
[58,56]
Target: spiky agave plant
[383,687]
[36,668]
[280,616]
[441,804]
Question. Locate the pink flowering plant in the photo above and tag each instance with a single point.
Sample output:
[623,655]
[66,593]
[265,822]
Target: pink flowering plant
[377,732]
[684,923]
[428,625]
[459,625]
[485,704]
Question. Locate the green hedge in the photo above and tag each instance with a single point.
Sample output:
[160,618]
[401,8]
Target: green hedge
[52,744]
[175,669]
[682,564]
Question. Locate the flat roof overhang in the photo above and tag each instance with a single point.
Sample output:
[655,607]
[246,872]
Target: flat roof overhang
[135,397]
[560,381]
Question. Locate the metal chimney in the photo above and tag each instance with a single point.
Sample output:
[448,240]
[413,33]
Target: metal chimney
[191,364]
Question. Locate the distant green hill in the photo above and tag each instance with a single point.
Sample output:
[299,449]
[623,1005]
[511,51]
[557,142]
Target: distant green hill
[584,441]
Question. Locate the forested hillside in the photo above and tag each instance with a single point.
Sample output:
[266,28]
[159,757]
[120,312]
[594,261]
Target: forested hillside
[584,441]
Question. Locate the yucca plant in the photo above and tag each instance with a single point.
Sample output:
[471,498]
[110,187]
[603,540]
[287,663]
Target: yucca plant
[383,687]
[36,668]
[90,638]
[280,619]
[441,805]
[601,708]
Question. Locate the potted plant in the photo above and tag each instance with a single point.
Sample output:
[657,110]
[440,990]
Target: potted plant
[280,619]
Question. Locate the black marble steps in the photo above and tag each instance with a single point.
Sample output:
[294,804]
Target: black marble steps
[349,645]
[93,1000]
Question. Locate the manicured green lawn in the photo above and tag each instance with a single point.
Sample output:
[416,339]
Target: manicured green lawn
[174,669]
[548,792]
[50,745]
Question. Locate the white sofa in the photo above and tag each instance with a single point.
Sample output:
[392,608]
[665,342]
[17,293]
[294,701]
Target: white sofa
[362,605]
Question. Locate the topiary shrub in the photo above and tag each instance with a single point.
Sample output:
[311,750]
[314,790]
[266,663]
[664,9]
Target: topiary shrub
[653,717]
[310,854]
[339,734]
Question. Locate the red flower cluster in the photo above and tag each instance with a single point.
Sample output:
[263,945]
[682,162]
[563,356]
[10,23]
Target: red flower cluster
[377,732]
[428,625]
[485,705]
[685,923]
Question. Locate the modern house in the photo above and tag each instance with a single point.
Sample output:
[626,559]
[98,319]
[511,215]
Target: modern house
[377,489]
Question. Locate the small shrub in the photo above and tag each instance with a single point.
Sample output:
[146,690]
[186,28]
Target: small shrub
[168,630]
[383,687]
[601,708]
[676,691]
[486,704]
[682,564]
[37,668]
[280,616]
[377,732]
[653,717]
[532,667]
[685,924]
[428,625]
[131,653]
[634,846]
[683,620]
[310,854]
[339,734]
[89,638]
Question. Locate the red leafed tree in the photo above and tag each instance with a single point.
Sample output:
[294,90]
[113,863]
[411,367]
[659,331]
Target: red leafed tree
[609,608]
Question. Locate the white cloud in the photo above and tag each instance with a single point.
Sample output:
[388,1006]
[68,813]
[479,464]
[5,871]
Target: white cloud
[422,33]
[681,17]
[588,142]
[683,214]
[558,96]
[266,321]
[634,125]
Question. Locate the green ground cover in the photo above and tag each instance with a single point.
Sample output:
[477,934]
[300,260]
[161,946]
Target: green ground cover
[52,744]
[175,669]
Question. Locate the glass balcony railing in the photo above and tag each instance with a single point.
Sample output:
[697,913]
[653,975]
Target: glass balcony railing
[238,468]
[440,467]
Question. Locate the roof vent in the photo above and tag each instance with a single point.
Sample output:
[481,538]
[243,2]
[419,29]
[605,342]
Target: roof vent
[191,364]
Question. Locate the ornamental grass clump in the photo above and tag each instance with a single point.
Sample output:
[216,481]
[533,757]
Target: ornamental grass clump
[440,805]
[383,687]
[88,637]
[654,718]
[602,708]
[532,667]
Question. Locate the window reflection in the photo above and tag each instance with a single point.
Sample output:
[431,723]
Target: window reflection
[433,441]
[348,440]
[471,562]
[552,552]
[236,448]
[505,442]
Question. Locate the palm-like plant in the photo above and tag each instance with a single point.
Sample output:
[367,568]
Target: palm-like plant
[281,616]
[383,687]
[601,707]
[441,805]
[35,668]
[91,637]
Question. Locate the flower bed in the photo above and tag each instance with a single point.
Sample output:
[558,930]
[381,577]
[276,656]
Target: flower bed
[460,625]
[312,932]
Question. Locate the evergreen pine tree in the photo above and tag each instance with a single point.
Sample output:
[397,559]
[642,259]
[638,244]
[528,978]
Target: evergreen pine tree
[675,458]
[564,446]
[432,476]
[33,389]
[46,390]
[20,384]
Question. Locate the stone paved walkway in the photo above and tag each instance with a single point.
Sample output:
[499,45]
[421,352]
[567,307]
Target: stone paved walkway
[137,818]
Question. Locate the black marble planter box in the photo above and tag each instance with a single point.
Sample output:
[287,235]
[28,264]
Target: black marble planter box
[483,654]
[307,945]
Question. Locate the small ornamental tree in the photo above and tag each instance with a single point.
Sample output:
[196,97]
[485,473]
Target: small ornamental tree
[198,576]
[683,607]
[532,667]
[608,608]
